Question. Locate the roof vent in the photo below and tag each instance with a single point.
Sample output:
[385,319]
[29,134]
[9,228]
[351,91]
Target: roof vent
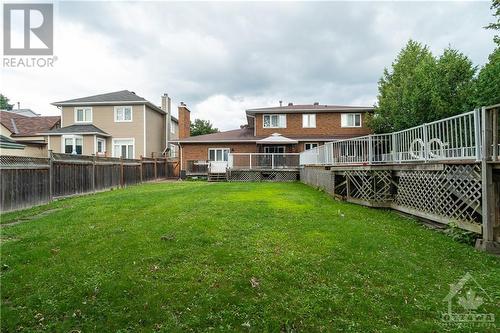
[133,92]
[183,104]
[316,103]
[281,103]
[290,104]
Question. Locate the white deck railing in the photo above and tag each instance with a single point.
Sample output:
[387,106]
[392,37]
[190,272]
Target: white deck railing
[262,161]
[454,138]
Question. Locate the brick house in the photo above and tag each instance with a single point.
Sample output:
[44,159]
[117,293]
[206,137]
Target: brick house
[272,130]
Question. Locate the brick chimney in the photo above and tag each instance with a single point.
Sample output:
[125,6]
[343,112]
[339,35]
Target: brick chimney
[184,121]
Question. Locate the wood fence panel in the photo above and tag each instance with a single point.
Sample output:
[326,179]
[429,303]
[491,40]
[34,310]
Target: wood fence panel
[131,174]
[107,176]
[25,181]
[24,188]
[71,178]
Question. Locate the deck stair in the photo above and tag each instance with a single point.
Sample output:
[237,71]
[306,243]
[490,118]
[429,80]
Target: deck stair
[217,177]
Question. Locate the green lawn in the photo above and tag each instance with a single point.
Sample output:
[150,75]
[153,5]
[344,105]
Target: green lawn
[196,256]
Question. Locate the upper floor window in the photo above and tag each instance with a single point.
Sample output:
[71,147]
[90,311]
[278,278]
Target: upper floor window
[275,121]
[309,120]
[172,127]
[83,115]
[123,113]
[351,120]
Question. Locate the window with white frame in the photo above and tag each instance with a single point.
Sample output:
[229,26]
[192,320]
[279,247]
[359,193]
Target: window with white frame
[172,127]
[310,145]
[72,144]
[351,120]
[309,120]
[218,154]
[123,148]
[123,114]
[83,115]
[100,146]
[275,121]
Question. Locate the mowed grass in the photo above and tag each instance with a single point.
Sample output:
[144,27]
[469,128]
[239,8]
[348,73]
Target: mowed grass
[260,257]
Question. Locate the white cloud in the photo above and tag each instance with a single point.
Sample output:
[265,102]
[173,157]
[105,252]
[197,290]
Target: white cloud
[221,58]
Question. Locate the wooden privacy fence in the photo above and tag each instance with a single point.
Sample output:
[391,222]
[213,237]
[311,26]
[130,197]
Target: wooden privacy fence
[28,181]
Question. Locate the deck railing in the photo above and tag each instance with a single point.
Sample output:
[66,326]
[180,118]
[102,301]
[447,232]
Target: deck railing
[261,161]
[453,138]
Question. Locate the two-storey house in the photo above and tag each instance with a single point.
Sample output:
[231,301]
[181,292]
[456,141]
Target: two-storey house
[117,124]
[282,129]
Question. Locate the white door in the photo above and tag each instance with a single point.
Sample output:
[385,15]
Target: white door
[218,159]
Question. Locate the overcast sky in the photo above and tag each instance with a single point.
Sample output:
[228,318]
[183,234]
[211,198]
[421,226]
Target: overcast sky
[221,58]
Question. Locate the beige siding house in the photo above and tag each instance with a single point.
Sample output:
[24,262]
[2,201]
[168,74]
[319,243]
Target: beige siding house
[117,124]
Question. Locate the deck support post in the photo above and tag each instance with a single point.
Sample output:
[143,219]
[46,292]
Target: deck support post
[487,243]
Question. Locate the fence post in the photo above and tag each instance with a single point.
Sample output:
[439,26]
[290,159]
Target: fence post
[250,157]
[121,172]
[370,149]
[51,175]
[477,134]
[156,169]
[141,163]
[93,172]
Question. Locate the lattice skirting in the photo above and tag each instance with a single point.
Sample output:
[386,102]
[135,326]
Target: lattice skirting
[449,194]
[261,175]
[453,193]
[372,186]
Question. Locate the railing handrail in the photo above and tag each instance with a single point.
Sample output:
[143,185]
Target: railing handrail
[285,154]
[456,137]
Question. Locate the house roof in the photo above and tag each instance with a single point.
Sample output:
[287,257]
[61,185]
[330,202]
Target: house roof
[121,97]
[24,112]
[77,129]
[21,125]
[247,135]
[276,138]
[8,143]
[311,108]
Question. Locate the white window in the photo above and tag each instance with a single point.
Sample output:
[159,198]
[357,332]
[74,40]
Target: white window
[172,127]
[218,154]
[72,144]
[310,145]
[100,146]
[83,115]
[274,149]
[275,121]
[123,114]
[309,120]
[123,148]
[351,120]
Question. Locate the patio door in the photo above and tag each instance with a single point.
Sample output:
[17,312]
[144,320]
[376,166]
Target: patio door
[274,157]
[218,158]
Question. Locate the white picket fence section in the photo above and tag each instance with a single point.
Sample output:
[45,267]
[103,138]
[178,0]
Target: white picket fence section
[453,138]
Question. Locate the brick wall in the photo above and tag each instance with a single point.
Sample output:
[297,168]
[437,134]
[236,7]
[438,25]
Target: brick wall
[184,122]
[199,151]
[326,124]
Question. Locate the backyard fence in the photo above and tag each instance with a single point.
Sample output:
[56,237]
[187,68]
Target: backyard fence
[28,181]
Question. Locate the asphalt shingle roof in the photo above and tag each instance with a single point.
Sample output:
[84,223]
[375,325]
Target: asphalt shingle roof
[117,96]
[310,107]
[21,125]
[78,128]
